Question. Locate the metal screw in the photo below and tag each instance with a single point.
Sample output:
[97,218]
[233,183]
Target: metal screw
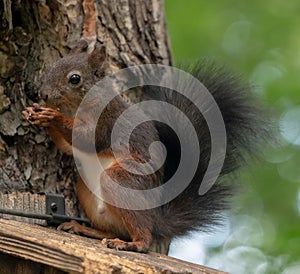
[53,207]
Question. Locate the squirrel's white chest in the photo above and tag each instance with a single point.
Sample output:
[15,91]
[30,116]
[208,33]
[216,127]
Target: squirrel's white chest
[90,167]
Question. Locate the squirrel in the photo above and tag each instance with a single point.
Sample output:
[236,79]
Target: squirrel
[63,88]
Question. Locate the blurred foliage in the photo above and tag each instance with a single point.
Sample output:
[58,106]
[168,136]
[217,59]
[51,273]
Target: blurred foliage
[260,40]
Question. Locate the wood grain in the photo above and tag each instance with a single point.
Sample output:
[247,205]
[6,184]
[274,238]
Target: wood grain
[28,202]
[76,254]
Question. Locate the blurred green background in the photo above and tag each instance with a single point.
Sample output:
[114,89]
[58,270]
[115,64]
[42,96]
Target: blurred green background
[261,41]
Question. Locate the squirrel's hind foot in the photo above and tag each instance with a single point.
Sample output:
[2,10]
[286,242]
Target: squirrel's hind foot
[76,228]
[137,246]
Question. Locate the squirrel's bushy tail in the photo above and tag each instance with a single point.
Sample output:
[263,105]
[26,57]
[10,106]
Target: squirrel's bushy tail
[245,129]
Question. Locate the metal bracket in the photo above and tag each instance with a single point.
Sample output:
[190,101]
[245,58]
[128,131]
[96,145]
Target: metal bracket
[55,204]
[55,211]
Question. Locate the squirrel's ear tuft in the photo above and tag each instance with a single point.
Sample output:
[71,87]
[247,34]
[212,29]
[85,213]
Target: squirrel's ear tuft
[82,46]
[97,59]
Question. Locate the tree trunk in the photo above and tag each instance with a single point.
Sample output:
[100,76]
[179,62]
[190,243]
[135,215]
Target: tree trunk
[36,33]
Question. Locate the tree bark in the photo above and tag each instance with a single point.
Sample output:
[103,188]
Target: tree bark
[36,33]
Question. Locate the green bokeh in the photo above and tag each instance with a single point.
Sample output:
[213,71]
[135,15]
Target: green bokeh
[260,40]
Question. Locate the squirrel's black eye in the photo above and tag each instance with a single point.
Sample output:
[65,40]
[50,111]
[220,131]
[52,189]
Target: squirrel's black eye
[74,79]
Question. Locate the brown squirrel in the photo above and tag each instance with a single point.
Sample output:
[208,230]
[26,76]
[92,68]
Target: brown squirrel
[63,89]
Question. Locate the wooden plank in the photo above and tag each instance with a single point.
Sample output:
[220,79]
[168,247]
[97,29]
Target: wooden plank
[76,254]
[10,264]
[28,202]
[24,201]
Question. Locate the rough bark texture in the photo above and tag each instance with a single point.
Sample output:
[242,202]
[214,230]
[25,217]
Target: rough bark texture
[36,33]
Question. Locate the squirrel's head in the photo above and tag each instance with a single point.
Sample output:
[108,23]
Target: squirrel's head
[71,77]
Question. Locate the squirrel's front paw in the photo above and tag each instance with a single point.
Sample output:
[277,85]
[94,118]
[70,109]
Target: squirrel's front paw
[41,116]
